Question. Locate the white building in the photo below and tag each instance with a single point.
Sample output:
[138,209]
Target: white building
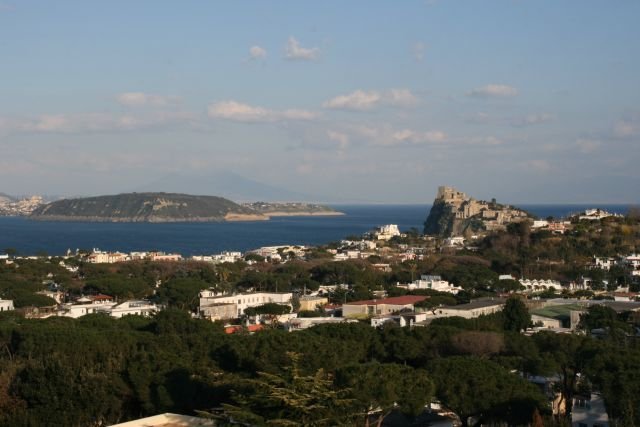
[134,307]
[471,310]
[78,310]
[101,257]
[220,258]
[431,282]
[604,263]
[6,305]
[539,285]
[456,241]
[230,306]
[386,232]
[161,256]
[539,223]
[596,214]
[632,263]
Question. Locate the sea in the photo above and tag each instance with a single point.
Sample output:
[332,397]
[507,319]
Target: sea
[29,237]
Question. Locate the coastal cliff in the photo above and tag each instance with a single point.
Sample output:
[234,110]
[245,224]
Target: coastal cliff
[454,214]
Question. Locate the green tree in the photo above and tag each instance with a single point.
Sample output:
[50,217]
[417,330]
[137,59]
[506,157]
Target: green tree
[516,315]
[290,399]
[383,387]
[483,391]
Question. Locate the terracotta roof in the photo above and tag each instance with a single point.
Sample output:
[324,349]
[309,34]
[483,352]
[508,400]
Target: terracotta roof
[100,297]
[403,300]
[237,328]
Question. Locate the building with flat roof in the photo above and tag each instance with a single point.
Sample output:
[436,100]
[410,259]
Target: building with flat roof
[376,307]
[6,305]
[216,307]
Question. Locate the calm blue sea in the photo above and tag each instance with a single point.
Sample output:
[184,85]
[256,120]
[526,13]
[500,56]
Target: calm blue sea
[32,237]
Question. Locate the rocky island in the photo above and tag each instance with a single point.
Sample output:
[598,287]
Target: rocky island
[454,214]
[146,207]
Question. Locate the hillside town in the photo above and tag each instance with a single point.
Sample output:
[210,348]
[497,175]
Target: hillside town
[19,207]
[387,278]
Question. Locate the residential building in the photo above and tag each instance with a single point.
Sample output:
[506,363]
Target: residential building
[6,305]
[216,307]
[161,256]
[311,303]
[133,307]
[595,214]
[538,285]
[101,257]
[387,232]
[78,310]
[632,264]
[473,309]
[431,282]
[381,306]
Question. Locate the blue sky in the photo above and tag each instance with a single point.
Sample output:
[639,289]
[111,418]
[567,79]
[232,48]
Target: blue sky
[526,101]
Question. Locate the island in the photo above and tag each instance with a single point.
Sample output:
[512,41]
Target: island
[455,214]
[147,207]
[292,209]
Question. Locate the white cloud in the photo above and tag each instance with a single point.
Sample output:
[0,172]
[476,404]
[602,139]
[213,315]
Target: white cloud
[236,111]
[358,100]
[386,135]
[341,138]
[418,51]
[407,135]
[627,128]
[141,99]
[293,50]
[538,165]
[587,146]
[534,119]
[92,122]
[361,100]
[400,98]
[493,91]
[257,52]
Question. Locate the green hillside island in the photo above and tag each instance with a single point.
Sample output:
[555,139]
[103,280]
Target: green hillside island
[146,207]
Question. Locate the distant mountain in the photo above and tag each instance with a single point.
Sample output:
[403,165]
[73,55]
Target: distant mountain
[225,184]
[146,207]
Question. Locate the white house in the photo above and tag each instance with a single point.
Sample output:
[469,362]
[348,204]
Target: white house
[134,307]
[386,232]
[534,285]
[596,214]
[455,241]
[473,309]
[632,263]
[101,257]
[229,306]
[78,310]
[604,263]
[431,282]
[6,305]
